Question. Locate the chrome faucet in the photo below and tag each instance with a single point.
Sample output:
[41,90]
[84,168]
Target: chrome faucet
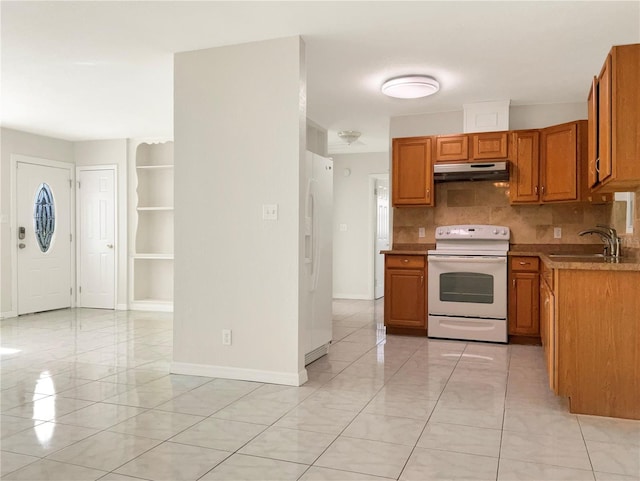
[609,236]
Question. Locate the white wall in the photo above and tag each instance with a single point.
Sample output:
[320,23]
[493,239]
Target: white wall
[520,117]
[239,126]
[16,142]
[110,152]
[353,249]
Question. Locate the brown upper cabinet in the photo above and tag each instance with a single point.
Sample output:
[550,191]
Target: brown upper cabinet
[452,148]
[562,150]
[524,178]
[412,172]
[489,146]
[546,164]
[484,146]
[614,117]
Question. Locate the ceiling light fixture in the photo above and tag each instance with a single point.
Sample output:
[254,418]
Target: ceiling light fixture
[410,87]
[349,136]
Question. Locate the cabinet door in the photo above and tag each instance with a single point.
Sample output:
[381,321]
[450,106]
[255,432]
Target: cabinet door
[524,301]
[451,148]
[524,179]
[405,298]
[592,129]
[559,168]
[604,122]
[489,145]
[412,172]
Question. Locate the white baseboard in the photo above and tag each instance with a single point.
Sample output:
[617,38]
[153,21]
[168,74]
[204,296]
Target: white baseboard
[151,306]
[226,372]
[122,307]
[8,314]
[361,297]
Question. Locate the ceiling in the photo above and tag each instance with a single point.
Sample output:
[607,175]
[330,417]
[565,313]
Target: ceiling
[101,70]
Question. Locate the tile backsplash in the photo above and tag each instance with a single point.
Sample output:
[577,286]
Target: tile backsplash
[487,202]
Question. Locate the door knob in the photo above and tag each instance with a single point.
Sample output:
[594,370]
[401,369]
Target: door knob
[21,245]
[110,246]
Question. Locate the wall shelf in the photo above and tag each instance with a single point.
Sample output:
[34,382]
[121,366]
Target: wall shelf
[151,261]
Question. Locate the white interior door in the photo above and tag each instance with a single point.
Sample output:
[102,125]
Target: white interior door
[43,214]
[382,233]
[96,238]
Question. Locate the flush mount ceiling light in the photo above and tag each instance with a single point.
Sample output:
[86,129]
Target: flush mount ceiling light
[410,87]
[349,136]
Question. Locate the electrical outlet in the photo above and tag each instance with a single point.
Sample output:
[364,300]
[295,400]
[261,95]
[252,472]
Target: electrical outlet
[421,232]
[226,337]
[557,232]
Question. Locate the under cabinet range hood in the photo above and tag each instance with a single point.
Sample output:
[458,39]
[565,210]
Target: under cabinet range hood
[471,171]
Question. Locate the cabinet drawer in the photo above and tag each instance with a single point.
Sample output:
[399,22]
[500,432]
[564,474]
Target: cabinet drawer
[530,264]
[398,261]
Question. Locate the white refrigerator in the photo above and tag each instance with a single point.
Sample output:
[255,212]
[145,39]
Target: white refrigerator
[318,255]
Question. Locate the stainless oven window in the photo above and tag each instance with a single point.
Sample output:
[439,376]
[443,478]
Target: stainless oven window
[470,287]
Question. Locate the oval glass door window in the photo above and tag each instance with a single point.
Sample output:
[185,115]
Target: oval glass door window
[44,217]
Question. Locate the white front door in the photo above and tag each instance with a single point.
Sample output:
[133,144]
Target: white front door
[382,233]
[96,238]
[43,203]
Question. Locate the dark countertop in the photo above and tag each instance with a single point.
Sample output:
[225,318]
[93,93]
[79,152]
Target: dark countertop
[630,260]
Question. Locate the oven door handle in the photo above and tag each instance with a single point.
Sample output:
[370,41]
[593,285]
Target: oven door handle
[468,260]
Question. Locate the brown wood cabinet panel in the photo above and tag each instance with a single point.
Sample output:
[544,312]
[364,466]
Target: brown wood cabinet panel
[412,171]
[592,133]
[548,332]
[603,165]
[524,296]
[524,175]
[614,104]
[405,296]
[451,148]
[598,350]
[524,301]
[489,145]
[560,152]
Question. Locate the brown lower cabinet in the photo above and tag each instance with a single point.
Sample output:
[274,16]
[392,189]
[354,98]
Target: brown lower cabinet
[591,333]
[405,294]
[524,318]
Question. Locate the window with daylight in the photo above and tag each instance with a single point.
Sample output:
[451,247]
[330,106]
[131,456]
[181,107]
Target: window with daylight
[44,217]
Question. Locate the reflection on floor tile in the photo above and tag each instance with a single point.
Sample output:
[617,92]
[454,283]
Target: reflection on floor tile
[511,470]
[367,457]
[173,461]
[47,470]
[431,464]
[89,395]
[250,468]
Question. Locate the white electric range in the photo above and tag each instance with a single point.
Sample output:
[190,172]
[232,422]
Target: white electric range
[468,283]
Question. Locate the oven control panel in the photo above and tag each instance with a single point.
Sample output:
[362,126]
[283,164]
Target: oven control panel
[481,232]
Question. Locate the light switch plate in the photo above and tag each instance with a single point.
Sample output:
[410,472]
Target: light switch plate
[269,211]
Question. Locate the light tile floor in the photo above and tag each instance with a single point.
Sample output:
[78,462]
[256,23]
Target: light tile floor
[86,394]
